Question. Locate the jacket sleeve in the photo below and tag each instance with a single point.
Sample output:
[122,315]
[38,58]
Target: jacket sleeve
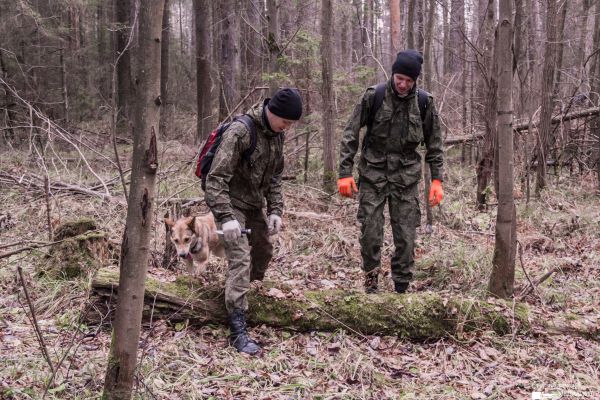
[434,143]
[235,140]
[275,194]
[351,134]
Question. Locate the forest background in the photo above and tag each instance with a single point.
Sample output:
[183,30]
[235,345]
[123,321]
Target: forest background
[516,84]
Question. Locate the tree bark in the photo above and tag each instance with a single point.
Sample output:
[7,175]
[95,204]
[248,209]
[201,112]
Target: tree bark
[228,57]
[203,82]
[395,46]
[503,264]
[164,68]
[543,144]
[124,84]
[421,316]
[327,93]
[136,238]
[410,25]
[488,86]
[273,43]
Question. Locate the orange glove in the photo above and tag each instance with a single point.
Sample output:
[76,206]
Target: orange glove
[347,186]
[436,193]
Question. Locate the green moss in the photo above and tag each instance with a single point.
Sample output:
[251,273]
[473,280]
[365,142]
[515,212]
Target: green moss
[74,228]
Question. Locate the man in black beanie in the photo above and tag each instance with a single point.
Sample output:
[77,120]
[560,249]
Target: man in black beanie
[245,174]
[399,117]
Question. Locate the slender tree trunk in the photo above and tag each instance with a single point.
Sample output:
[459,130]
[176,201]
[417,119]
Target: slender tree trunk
[595,90]
[410,25]
[122,360]
[164,69]
[488,85]
[546,90]
[357,32]
[327,92]
[427,53]
[203,81]
[228,57]
[124,84]
[395,45]
[503,265]
[273,44]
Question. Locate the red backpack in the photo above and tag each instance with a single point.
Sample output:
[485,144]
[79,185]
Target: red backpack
[207,154]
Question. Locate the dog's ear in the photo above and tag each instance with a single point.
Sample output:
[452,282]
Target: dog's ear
[191,223]
[169,222]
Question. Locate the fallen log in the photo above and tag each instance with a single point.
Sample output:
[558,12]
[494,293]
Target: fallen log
[418,316]
[523,126]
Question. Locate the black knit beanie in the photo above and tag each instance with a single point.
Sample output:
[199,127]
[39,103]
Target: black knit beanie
[286,103]
[408,62]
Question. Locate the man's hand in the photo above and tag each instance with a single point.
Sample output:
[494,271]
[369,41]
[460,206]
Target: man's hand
[436,193]
[232,230]
[274,224]
[347,186]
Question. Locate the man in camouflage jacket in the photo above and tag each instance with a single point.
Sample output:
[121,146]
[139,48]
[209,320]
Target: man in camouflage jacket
[236,192]
[390,168]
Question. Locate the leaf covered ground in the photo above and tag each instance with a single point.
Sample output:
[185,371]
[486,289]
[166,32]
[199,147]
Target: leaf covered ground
[318,248]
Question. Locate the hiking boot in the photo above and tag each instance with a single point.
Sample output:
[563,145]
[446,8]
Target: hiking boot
[371,279]
[400,287]
[238,334]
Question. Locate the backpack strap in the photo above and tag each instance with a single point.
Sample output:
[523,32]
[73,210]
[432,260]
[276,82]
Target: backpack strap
[377,102]
[422,98]
[375,105]
[249,124]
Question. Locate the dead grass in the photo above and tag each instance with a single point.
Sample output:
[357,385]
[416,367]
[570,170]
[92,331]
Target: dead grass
[318,248]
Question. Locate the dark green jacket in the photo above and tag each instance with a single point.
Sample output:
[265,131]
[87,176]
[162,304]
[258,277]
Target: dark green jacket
[391,155]
[231,182]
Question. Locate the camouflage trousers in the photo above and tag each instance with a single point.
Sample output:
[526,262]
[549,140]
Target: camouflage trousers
[248,257]
[405,216]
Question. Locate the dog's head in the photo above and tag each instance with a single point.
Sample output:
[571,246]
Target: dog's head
[184,236]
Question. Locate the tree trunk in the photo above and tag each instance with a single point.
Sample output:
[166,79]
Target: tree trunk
[228,57]
[503,264]
[203,82]
[327,93]
[164,69]
[488,85]
[546,93]
[136,238]
[427,53]
[595,90]
[410,25]
[421,316]
[395,45]
[357,43]
[273,44]
[124,85]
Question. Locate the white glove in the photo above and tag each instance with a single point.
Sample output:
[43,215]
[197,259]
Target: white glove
[274,224]
[232,230]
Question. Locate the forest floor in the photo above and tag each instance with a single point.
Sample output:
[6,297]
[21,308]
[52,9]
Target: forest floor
[318,248]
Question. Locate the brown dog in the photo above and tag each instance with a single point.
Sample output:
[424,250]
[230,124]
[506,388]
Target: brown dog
[194,239]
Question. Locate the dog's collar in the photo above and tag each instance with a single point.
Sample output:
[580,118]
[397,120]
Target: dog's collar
[195,248]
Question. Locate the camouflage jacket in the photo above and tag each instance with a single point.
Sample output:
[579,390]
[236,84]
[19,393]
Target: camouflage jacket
[231,182]
[391,155]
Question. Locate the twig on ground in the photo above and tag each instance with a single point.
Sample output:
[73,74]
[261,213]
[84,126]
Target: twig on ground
[38,332]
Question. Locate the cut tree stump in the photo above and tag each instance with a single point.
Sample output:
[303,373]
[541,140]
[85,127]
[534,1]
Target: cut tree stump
[418,316]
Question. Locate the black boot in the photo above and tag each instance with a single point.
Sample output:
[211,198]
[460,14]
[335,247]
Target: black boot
[238,335]
[401,287]
[371,280]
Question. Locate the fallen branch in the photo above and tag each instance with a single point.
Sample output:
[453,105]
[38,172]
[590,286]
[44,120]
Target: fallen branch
[524,126]
[34,322]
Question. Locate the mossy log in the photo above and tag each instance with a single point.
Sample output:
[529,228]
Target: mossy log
[419,316]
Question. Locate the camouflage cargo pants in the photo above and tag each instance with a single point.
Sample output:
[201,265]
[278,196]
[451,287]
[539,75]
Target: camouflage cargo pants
[405,216]
[248,257]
